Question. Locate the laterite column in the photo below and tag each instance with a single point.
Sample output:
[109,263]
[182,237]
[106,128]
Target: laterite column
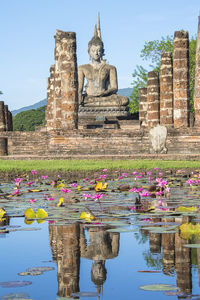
[197,80]
[51,108]
[3,141]
[153,99]
[181,79]
[66,80]
[143,107]
[166,90]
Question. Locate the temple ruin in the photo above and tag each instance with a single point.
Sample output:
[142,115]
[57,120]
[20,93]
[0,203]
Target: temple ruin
[95,120]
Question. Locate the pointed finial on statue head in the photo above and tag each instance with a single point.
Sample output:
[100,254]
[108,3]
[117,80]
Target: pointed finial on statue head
[99,28]
[95,31]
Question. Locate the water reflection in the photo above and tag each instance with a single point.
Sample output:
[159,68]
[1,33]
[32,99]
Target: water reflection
[69,243]
[65,245]
[175,257]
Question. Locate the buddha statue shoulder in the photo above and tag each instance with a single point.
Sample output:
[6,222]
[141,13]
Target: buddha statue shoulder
[101,87]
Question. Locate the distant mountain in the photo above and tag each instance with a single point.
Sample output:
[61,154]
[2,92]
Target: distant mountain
[123,92]
[34,106]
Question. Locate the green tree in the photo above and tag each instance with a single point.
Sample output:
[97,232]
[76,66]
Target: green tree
[1,93]
[151,52]
[28,120]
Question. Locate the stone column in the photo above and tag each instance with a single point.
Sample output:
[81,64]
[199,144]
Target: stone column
[3,141]
[153,99]
[166,90]
[197,80]
[143,107]
[66,80]
[181,79]
[10,121]
[51,108]
[6,117]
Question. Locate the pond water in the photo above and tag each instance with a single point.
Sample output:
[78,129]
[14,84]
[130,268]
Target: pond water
[130,244]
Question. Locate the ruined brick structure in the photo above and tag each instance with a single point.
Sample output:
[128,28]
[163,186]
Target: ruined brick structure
[62,85]
[164,102]
[5,126]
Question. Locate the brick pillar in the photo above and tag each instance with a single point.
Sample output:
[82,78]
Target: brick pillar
[181,79]
[6,116]
[166,90]
[51,108]
[3,141]
[197,80]
[143,107]
[2,117]
[66,80]
[10,121]
[153,99]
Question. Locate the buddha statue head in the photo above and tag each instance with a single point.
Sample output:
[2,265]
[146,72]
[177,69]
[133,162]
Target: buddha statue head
[95,45]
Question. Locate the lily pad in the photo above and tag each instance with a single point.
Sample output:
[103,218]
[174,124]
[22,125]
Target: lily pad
[192,245]
[40,269]
[85,294]
[158,287]
[15,296]
[13,284]
[121,230]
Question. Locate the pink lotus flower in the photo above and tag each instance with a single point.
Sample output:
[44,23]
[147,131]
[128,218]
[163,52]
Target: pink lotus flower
[102,176]
[18,180]
[65,190]
[150,179]
[141,173]
[74,184]
[58,176]
[134,173]
[138,190]
[156,168]
[32,200]
[167,189]
[160,174]
[29,183]
[105,170]
[159,193]
[87,196]
[16,192]
[116,171]
[144,194]
[91,182]
[34,172]
[85,179]
[190,182]
[44,177]
[120,177]
[138,177]
[149,173]
[50,198]
[132,208]
[124,174]
[97,196]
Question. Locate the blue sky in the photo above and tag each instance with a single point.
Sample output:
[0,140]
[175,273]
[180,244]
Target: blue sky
[27,29]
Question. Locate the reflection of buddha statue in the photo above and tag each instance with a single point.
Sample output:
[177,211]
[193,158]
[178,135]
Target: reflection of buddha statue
[101,87]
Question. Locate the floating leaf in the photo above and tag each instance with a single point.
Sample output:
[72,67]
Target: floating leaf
[15,296]
[29,213]
[121,230]
[186,209]
[13,284]
[192,245]
[41,214]
[85,294]
[40,269]
[34,273]
[158,287]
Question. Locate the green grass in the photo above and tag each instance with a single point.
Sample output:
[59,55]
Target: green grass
[89,165]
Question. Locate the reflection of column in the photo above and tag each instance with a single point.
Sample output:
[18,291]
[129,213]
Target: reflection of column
[168,247]
[64,241]
[143,107]
[155,239]
[183,261]
[198,257]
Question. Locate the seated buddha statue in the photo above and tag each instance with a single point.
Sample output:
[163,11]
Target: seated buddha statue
[101,87]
